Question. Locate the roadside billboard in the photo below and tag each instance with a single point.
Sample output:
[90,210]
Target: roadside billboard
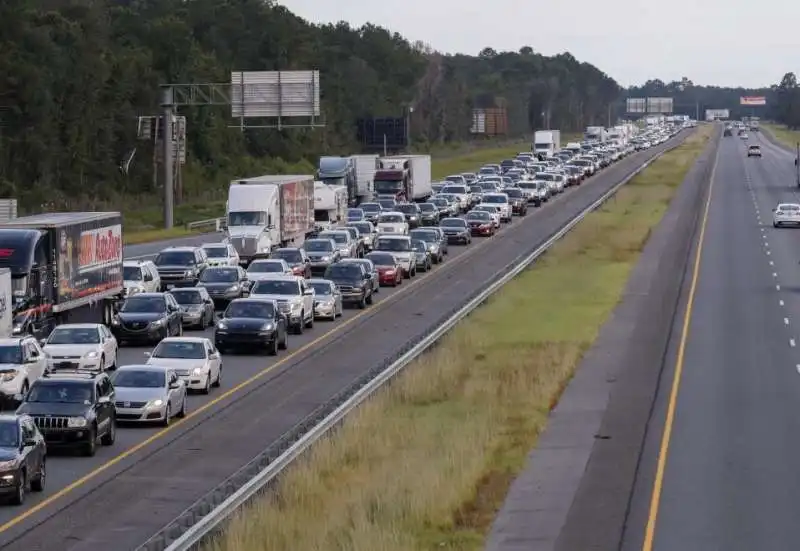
[752,100]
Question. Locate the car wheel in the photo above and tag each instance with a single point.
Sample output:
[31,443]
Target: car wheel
[284,344]
[272,347]
[90,448]
[370,299]
[167,416]
[218,381]
[362,303]
[110,437]
[19,495]
[38,483]
[300,327]
[207,388]
[180,330]
[182,412]
[775,224]
[310,322]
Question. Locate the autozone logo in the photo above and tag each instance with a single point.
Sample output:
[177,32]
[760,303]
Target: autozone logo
[100,247]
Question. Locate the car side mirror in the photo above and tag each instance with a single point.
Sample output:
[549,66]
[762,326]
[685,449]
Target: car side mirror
[43,342]
[174,386]
[148,354]
[308,292]
[367,276]
[19,397]
[29,443]
[104,400]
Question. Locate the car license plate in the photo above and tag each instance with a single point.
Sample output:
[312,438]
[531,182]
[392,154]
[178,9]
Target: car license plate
[170,287]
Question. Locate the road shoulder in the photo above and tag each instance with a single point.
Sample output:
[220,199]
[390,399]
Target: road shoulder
[575,490]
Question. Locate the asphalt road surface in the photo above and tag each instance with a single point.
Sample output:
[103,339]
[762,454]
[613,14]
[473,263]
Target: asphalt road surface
[126,493]
[731,479]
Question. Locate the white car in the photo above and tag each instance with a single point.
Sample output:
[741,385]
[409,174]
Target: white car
[393,223]
[140,276]
[294,296]
[744,136]
[221,254]
[460,191]
[501,201]
[194,359]
[148,394]
[262,268]
[786,214]
[400,247]
[81,346]
[494,212]
[22,361]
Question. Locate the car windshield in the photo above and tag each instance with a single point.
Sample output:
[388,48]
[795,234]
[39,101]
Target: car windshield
[338,237]
[173,350]
[184,258]
[380,259]
[131,273]
[139,378]
[452,223]
[343,270]
[419,245]
[480,216]
[495,199]
[355,214]
[250,309]
[144,305]
[61,392]
[185,296]
[391,219]
[370,208]
[216,252]
[427,207]
[276,287]
[516,193]
[11,354]
[439,202]
[789,207]
[424,235]
[318,245]
[363,227]
[409,208]
[454,189]
[74,335]
[321,287]
[399,245]
[9,434]
[265,268]
[289,256]
[387,204]
[220,275]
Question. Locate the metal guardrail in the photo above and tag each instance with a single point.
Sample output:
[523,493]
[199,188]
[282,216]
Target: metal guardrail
[212,224]
[208,513]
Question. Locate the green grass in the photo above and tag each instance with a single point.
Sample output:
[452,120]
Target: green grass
[143,225]
[783,134]
[426,463]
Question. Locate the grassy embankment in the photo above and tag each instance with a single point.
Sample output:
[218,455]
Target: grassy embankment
[783,134]
[141,225]
[425,464]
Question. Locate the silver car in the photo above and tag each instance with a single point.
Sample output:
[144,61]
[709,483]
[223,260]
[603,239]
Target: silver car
[786,214]
[345,243]
[148,394]
[327,300]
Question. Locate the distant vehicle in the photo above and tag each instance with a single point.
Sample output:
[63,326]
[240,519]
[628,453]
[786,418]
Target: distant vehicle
[786,214]
[194,359]
[754,151]
[24,454]
[149,394]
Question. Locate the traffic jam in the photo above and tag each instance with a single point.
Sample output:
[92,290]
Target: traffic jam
[279,271]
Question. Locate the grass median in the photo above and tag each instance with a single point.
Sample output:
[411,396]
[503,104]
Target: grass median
[783,134]
[426,463]
[143,222]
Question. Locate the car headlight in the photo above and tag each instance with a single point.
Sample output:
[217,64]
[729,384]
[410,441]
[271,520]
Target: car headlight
[297,305]
[221,325]
[157,403]
[188,273]
[325,259]
[266,327]
[115,321]
[17,329]
[135,290]
[233,288]
[91,355]
[198,370]
[76,422]
[157,323]
[8,465]
[8,376]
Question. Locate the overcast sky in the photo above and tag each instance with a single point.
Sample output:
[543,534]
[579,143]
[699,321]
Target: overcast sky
[721,42]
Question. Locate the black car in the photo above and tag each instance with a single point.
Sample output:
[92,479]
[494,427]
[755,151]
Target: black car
[197,306]
[518,200]
[148,317]
[180,266]
[296,258]
[353,281]
[371,211]
[432,240]
[224,283]
[457,230]
[252,322]
[73,409]
[429,214]
[23,453]
[412,213]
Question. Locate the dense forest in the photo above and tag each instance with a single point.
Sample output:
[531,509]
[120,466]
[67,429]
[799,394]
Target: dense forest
[75,76]
[787,101]
[693,100]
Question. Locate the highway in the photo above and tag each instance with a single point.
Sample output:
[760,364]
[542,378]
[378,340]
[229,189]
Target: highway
[126,493]
[730,477]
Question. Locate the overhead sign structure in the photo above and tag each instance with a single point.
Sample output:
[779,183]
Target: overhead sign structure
[717,114]
[752,100]
[275,94]
[636,105]
[659,105]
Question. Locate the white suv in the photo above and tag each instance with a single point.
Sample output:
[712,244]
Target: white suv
[221,254]
[295,298]
[140,276]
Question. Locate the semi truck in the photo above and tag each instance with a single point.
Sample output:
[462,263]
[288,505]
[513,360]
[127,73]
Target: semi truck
[595,134]
[6,302]
[546,143]
[65,267]
[354,173]
[330,205]
[268,212]
[404,178]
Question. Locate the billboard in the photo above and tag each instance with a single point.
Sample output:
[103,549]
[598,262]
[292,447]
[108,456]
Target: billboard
[717,114]
[752,100]
[275,94]
[492,121]
[100,247]
[636,105]
[659,105]
[371,133]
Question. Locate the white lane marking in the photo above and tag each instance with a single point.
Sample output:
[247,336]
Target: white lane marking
[774,274]
[786,321]
[792,343]
[777,287]
[771,263]
[768,252]
[780,302]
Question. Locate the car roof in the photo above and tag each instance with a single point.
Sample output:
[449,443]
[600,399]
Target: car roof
[788,205]
[288,249]
[185,248]
[184,339]
[79,326]
[219,244]
[396,213]
[142,367]
[147,295]
[136,262]
[266,260]
[390,236]
[320,280]
[11,341]
[282,277]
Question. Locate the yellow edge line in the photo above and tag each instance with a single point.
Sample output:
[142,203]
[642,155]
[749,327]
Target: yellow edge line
[658,483]
[130,451]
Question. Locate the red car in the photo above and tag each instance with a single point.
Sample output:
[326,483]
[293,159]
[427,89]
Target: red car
[480,223]
[390,273]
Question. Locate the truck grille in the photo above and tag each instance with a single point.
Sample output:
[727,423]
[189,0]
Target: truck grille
[130,405]
[135,325]
[50,423]
[285,307]
[172,275]
[346,288]
[245,246]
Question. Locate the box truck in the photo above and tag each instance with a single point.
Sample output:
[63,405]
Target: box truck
[546,143]
[404,178]
[330,205]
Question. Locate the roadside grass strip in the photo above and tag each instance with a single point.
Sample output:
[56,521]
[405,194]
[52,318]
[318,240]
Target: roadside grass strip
[426,463]
[783,134]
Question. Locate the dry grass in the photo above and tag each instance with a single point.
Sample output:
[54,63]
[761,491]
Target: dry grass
[426,463]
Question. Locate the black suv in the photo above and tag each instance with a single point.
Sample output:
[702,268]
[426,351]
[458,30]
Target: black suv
[73,409]
[23,454]
[181,266]
[355,283]
[148,317]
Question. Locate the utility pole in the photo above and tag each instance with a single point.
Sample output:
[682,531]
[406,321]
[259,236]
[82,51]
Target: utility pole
[167,133]
[797,163]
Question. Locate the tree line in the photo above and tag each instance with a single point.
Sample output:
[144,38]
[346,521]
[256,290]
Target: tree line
[75,76]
